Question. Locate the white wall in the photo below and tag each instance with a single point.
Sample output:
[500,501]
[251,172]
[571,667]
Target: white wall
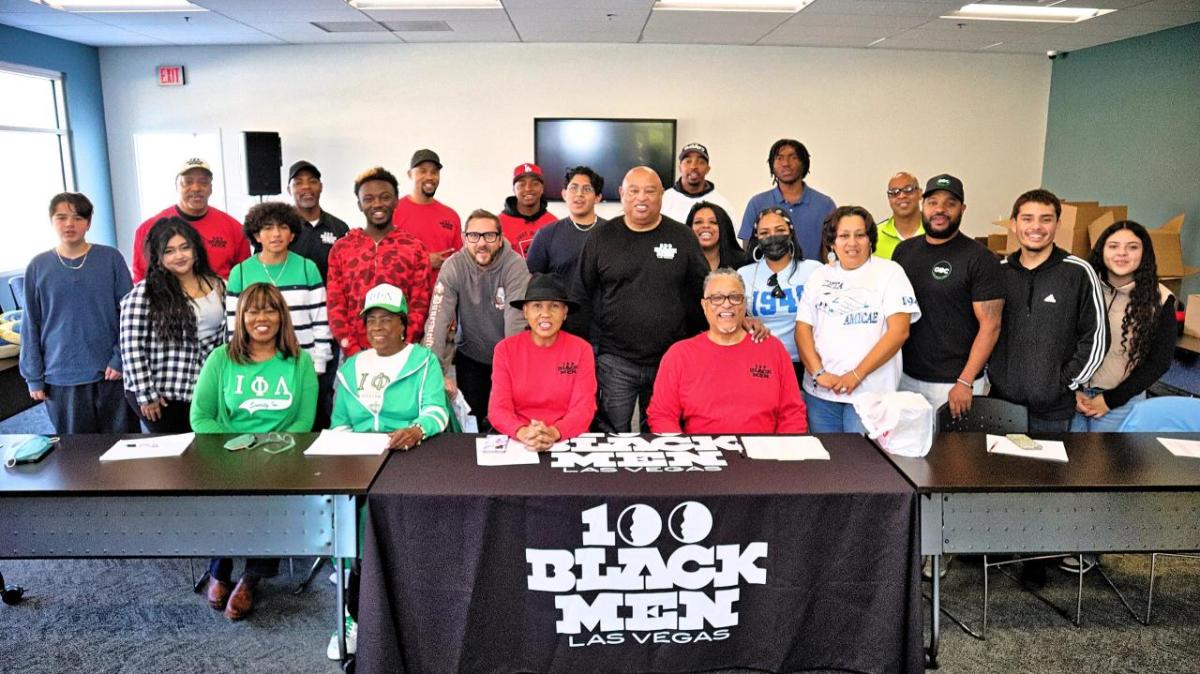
[864,114]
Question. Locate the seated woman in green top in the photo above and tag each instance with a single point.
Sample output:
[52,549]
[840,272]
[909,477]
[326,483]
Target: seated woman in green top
[393,387]
[258,383]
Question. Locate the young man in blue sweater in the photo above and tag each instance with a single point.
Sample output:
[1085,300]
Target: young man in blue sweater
[69,352]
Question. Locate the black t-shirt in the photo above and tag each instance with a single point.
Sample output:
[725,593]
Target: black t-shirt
[639,292]
[947,278]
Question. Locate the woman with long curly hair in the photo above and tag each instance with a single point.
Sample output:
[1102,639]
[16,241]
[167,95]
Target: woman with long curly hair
[1141,326]
[170,322]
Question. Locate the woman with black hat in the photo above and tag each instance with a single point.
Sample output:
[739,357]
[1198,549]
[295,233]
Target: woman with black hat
[543,380]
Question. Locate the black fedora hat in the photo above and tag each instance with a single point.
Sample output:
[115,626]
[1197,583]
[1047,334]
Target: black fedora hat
[544,287]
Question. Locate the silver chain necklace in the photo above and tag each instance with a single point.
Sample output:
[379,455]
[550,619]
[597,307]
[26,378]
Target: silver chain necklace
[275,279]
[82,262]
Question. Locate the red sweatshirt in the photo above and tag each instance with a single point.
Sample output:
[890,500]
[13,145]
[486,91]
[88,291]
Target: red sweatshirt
[555,384]
[713,389]
[519,229]
[223,238]
[357,264]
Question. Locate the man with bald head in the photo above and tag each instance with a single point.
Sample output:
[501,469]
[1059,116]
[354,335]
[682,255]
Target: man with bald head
[904,196]
[638,286]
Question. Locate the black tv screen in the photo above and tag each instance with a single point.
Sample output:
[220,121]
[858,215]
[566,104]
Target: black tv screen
[610,146]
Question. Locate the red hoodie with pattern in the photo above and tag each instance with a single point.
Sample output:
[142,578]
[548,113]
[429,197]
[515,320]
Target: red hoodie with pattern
[357,264]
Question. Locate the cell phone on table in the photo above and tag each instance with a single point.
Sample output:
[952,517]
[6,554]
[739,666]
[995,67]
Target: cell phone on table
[1023,441]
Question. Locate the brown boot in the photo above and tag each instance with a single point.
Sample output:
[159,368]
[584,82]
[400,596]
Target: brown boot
[217,594]
[242,599]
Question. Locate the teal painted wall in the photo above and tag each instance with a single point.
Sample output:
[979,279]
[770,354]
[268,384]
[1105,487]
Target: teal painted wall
[80,66]
[1124,127]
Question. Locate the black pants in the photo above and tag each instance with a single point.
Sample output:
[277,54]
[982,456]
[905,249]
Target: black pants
[88,408]
[221,568]
[326,383]
[475,381]
[174,417]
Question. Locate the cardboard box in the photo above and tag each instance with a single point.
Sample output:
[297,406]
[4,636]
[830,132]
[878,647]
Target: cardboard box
[1191,321]
[1074,226]
[1168,250]
[998,243]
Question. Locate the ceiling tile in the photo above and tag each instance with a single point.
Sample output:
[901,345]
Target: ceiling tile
[711,27]
[576,21]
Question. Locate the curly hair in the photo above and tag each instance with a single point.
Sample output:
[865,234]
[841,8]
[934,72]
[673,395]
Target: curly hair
[1138,323]
[171,313]
[829,228]
[267,212]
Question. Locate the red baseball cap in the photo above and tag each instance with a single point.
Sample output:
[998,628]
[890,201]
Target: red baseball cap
[523,170]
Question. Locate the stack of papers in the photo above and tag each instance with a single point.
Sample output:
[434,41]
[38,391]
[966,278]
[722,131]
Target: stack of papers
[1186,448]
[1052,450]
[785,448]
[345,443]
[159,447]
[501,450]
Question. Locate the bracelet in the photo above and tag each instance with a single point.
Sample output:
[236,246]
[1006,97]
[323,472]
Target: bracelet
[963,383]
[855,373]
[818,373]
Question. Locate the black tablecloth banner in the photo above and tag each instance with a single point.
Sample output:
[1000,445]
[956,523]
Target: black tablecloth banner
[465,583]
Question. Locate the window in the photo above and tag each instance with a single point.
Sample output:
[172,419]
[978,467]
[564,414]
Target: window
[35,142]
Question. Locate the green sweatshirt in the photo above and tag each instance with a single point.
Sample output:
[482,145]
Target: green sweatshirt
[416,396]
[277,395]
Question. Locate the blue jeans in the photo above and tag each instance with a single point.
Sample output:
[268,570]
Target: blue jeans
[622,384]
[826,416]
[1110,422]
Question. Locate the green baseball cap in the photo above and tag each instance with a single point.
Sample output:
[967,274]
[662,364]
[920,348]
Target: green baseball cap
[385,296]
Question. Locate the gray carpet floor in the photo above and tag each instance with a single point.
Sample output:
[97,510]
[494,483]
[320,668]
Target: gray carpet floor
[140,616]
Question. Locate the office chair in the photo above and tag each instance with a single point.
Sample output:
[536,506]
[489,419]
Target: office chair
[987,415]
[1165,414]
[10,594]
[16,285]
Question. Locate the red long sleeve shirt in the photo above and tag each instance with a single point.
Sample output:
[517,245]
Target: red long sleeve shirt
[555,384]
[357,264]
[706,388]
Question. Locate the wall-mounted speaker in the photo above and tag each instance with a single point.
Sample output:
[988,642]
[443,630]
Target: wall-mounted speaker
[264,162]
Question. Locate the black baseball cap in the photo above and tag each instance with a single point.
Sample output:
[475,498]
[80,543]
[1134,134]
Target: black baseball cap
[302,165]
[693,147]
[945,182]
[421,156]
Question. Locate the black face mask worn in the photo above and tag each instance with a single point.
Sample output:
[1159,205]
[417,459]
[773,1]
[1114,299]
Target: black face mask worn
[776,247]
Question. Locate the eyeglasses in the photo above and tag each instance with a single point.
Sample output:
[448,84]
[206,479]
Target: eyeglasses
[717,300]
[575,188]
[897,191]
[283,442]
[474,237]
[776,291]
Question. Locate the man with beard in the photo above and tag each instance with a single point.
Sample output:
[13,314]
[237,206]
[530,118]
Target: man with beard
[692,185]
[319,230]
[789,163]
[378,253]
[474,289]
[946,351]
[426,219]
[555,248]
[525,212]
[903,193]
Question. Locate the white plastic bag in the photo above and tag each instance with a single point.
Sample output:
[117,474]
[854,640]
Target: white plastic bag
[901,422]
[462,412]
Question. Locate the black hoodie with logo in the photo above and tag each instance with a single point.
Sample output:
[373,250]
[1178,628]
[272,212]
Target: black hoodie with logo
[1053,334]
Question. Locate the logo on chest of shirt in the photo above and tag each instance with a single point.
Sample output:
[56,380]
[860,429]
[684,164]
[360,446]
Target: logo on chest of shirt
[760,371]
[377,383]
[328,238]
[941,270]
[568,368]
[665,251]
[446,224]
[218,242]
[278,397]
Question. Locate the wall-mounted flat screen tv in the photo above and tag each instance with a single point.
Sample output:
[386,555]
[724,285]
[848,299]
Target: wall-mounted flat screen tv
[610,146]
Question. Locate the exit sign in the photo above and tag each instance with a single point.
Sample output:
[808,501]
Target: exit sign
[170,76]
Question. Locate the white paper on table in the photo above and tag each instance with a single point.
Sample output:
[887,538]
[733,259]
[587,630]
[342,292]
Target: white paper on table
[1052,450]
[159,447]
[785,448]
[1189,449]
[514,454]
[346,443]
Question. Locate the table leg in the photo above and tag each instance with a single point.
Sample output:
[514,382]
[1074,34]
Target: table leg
[339,565]
[935,622]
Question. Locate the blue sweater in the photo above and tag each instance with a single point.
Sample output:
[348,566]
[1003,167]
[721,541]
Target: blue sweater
[69,332]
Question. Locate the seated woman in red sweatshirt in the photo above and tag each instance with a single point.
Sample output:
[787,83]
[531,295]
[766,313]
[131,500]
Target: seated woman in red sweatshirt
[720,381]
[543,380]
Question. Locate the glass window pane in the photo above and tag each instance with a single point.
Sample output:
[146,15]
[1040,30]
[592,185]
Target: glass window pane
[28,101]
[28,186]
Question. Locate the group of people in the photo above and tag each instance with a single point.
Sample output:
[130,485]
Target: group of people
[664,316]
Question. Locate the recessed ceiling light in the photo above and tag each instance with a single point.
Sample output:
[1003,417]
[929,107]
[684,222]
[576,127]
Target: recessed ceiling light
[426,4]
[788,6]
[85,6]
[1034,13]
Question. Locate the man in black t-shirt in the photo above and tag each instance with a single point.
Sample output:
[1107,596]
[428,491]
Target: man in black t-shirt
[947,350]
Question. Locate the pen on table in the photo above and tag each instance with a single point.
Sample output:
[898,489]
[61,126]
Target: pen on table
[992,446]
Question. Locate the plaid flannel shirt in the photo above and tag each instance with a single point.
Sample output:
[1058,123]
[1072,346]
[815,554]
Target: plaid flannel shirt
[155,368]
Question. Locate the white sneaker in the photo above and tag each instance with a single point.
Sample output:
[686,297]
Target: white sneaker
[331,651]
[333,577]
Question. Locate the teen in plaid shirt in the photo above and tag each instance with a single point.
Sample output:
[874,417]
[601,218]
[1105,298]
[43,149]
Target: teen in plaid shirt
[170,322]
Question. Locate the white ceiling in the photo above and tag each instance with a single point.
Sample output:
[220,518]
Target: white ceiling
[905,24]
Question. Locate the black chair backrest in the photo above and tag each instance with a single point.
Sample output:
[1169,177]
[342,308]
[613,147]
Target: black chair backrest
[987,415]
